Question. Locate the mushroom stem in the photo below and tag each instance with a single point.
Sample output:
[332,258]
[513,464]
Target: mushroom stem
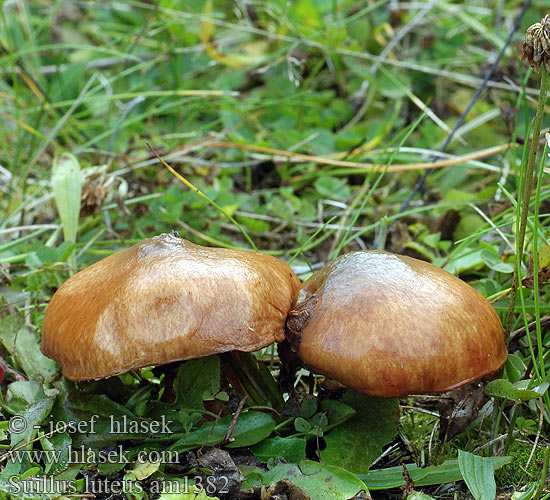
[252,379]
[295,323]
[290,363]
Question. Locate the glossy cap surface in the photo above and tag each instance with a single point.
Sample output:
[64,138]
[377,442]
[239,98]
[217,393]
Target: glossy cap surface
[390,325]
[162,300]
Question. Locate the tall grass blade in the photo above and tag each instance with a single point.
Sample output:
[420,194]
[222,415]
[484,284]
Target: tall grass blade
[67,180]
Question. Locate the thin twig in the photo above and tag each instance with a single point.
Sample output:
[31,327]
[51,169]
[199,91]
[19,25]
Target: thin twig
[11,371]
[199,451]
[520,332]
[476,155]
[474,98]
[228,439]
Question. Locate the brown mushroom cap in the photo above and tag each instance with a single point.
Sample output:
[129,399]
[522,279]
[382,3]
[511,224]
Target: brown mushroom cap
[390,325]
[162,300]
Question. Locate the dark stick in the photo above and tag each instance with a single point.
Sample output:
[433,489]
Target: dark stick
[464,114]
[8,370]
[228,438]
[210,433]
[520,332]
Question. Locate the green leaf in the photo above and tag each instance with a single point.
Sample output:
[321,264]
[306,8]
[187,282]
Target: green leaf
[186,490]
[197,379]
[332,188]
[28,422]
[23,345]
[418,495]
[359,440]
[67,183]
[302,425]
[544,257]
[317,481]
[59,444]
[142,470]
[467,260]
[98,404]
[251,428]
[502,388]
[102,421]
[23,393]
[63,251]
[493,262]
[291,449]
[447,472]
[478,474]
[255,427]
[336,411]
[308,407]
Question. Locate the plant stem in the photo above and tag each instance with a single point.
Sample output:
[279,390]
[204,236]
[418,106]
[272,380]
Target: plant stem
[511,426]
[526,198]
[544,475]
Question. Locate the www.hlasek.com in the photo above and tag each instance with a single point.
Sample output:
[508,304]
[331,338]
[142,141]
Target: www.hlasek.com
[89,456]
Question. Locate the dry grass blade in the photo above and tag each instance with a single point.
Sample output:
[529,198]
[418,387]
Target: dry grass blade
[477,155]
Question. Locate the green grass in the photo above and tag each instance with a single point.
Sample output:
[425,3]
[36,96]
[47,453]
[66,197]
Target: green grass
[277,83]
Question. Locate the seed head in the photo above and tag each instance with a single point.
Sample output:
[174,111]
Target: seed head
[536,48]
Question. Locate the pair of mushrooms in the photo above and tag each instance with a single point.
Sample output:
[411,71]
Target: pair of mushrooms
[382,324]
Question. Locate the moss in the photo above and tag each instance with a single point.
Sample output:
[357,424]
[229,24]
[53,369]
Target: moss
[417,427]
[512,473]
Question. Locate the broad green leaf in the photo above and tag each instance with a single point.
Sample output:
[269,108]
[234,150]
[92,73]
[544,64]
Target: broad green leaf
[317,481]
[23,393]
[142,470]
[98,404]
[359,440]
[302,425]
[502,388]
[197,379]
[478,474]
[251,428]
[468,260]
[323,143]
[27,422]
[308,408]
[418,495]
[493,262]
[448,472]
[514,368]
[24,346]
[67,183]
[544,257]
[178,489]
[306,15]
[59,445]
[336,411]
[96,420]
[470,223]
[291,449]
[332,188]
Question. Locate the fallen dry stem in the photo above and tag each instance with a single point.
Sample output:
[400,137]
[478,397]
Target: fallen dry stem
[476,155]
